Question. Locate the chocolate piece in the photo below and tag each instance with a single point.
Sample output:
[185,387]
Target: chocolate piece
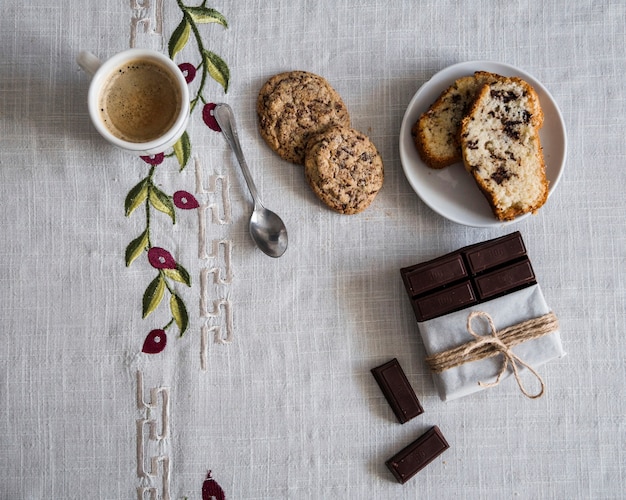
[434,274]
[468,276]
[494,252]
[505,280]
[412,459]
[445,301]
[397,390]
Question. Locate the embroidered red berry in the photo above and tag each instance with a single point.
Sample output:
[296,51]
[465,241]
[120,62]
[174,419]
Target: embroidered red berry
[211,490]
[188,70]
[160,258]
[208,118]
[185,200]
[156,159]
[155,342]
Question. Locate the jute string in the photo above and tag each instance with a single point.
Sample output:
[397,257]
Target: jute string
[497,342]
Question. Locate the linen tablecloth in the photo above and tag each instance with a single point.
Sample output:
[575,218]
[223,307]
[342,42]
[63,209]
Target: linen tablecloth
[270,387]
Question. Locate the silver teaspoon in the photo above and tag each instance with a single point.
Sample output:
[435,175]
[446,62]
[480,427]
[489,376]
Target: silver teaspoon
[266,228]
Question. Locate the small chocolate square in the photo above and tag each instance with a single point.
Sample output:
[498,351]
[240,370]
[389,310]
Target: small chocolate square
[412,459]
[436,273]
[397,390]
[505,280]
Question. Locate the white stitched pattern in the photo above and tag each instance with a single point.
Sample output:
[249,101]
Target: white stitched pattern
[222,314]
[151,435]
[212,188]
[215,196]
[146,14]
[153,491]
[222,271]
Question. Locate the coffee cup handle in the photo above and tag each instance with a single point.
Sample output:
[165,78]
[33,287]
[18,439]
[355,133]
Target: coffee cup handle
[88,62]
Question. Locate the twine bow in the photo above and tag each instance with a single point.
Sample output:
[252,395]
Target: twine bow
[494,343]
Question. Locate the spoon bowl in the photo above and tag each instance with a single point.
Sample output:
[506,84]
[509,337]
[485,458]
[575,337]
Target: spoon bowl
[266,228]
[268,231]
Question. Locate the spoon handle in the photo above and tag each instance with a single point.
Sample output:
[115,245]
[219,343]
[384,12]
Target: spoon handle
[226,120]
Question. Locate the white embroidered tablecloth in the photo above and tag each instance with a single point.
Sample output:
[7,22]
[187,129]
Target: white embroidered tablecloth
[270,387]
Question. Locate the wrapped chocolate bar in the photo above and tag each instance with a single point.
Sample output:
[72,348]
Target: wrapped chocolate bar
[482,317]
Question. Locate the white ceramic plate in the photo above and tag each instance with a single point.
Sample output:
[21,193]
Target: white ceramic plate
[451,191]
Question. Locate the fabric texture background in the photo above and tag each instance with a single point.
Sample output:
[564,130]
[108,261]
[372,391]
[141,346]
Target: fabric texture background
[270,387]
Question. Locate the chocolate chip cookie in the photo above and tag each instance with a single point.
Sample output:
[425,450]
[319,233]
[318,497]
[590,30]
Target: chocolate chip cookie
[344,169]
[294,106]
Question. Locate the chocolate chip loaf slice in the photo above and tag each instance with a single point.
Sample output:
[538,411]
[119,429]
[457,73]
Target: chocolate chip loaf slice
[500,145]
[436,132]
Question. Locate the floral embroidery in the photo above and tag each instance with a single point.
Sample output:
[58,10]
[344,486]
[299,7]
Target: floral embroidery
[147,194]
[209,118]
[211,490]
[210,63]
[155,342]
[154,159]
[189,70]
[185,200]
[160,258]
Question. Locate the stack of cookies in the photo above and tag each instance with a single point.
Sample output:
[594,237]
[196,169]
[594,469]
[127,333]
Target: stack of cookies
[304,120]
[491,123]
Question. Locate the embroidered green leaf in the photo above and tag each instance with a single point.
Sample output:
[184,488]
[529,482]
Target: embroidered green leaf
[179,38]
[182,150]
[179,273]
[217,68]
[204,15]
[136,247]
[179,313]
[153,295]
[162,202]
[136,196]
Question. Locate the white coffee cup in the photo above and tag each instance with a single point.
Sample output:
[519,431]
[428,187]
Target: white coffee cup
[148,130]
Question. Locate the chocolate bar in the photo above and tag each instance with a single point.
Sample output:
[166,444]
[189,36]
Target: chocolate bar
[397,390]
[434,274]
[492,253]
[503,280]
[444,301]
[468,276]
[412,459]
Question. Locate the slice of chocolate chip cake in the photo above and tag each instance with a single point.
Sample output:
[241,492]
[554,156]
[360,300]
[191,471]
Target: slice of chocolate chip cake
[501,148]
[436,133]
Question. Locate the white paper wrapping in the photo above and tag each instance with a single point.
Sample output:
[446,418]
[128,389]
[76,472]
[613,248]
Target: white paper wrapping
[450,330]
